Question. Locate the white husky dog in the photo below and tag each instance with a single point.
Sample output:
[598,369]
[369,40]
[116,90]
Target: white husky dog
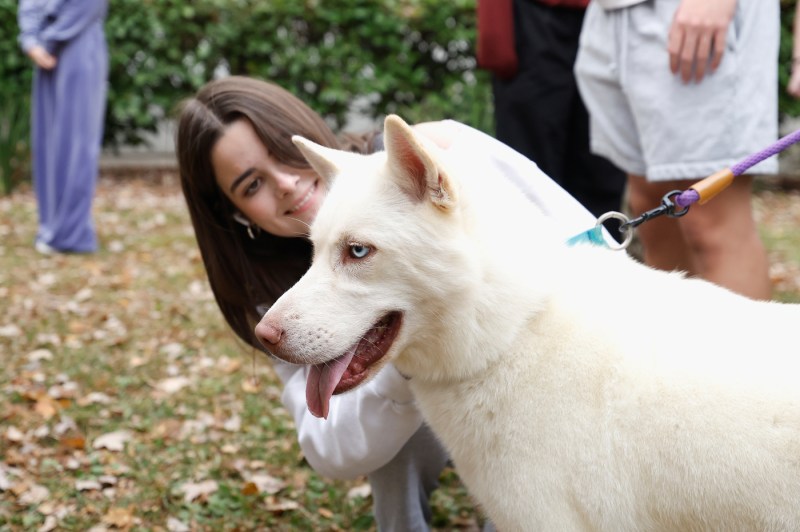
[574,388]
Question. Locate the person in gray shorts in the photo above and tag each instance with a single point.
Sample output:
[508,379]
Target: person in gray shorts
[678,90]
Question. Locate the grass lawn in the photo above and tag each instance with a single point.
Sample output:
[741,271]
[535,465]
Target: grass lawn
[125,403]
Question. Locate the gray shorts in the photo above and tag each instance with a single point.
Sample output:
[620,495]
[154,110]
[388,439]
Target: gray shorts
[648,122]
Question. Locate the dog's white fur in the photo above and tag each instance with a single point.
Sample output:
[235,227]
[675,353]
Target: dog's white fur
[575,388]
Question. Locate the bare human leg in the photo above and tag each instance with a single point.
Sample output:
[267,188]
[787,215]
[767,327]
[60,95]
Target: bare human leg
[717,241]
[722,237]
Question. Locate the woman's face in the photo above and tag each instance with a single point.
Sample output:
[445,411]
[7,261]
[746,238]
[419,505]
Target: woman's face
[280,199]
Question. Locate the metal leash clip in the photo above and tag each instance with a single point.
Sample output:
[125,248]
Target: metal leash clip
[626,227]
[667,207]
[614,215]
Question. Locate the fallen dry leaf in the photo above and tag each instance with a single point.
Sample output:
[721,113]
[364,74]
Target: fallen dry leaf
[35,494]
[14,435]
[119,517]
[138,361]
[95,398]
[87,485]
[193,490]
[265,483]
[50,523]
[172,350]
[250,488]
[233,424]
[229,448]
[362,490]
[5,482]
[278,506]
[176,525]
[172,385]
[113,441]
[250,385]
[38,355]
[229,365]
[66,424]
[10,331]
[73,442]
[47,407]
[167,429]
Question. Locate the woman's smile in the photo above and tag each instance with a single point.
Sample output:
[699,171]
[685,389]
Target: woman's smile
[304,202]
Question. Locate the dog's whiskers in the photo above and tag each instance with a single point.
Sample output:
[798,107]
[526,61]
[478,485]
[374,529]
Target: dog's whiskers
[308,225]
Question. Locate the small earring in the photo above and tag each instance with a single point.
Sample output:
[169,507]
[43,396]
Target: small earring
[253,230]
[253,233]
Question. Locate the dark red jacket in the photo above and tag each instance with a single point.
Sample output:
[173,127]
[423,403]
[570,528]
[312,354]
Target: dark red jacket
[578,4]
[495,47]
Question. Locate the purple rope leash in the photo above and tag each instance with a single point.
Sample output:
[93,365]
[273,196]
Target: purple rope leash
[701,192]
[783,143]
[686,198]
[690,196]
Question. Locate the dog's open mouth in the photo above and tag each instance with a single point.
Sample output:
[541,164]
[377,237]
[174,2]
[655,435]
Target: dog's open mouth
[350,369]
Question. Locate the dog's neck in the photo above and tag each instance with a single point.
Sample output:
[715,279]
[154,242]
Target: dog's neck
[474,342]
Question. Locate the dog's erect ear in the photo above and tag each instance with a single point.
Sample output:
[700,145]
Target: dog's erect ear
[414,168]
[321,159]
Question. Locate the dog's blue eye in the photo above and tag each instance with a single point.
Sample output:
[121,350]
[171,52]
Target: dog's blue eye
[359,251]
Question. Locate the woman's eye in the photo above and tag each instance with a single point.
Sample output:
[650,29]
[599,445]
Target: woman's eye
[252,187]
[359,251]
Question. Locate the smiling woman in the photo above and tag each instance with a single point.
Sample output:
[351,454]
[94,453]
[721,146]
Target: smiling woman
[251,196]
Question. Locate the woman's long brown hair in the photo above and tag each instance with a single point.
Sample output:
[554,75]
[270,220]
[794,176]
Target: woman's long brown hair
[244,273]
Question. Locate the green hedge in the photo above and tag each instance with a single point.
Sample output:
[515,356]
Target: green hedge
[410,54]
[414,57]
[788,105]
[15,86]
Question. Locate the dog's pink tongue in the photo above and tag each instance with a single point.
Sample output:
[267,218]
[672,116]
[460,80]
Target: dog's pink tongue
[322,380]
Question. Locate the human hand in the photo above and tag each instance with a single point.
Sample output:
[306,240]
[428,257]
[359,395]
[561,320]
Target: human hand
[793,87]
[42,57]
[698,32]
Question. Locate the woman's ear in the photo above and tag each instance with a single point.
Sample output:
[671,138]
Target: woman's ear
[241,218]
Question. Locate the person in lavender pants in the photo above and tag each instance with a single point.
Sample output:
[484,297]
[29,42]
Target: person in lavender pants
[66,41]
